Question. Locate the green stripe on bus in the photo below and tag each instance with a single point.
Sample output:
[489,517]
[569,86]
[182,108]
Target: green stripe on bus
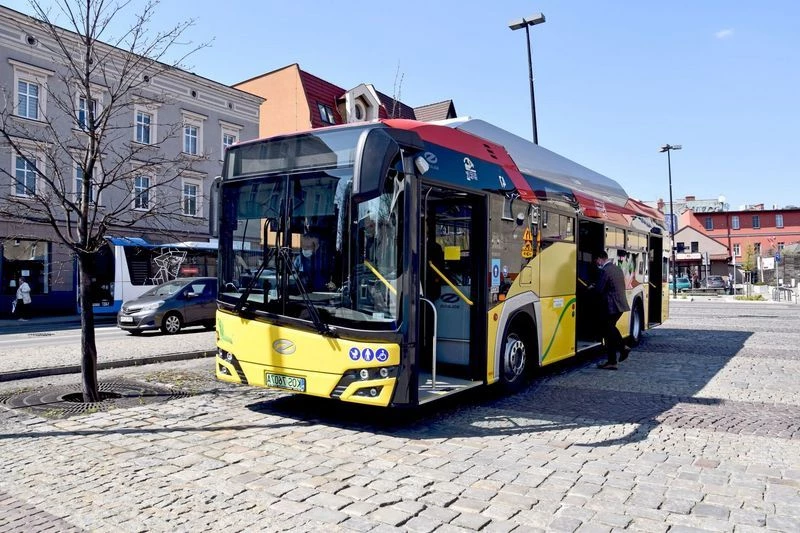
[558,324]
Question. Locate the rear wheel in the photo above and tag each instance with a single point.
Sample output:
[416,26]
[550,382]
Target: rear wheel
[515,360]
[637,323]
[171,323]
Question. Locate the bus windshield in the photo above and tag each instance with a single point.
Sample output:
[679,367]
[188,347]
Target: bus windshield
[292,244]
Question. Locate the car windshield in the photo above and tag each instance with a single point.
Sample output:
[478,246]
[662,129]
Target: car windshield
[166,289]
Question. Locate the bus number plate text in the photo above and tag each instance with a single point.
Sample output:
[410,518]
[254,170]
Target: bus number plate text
[286,382]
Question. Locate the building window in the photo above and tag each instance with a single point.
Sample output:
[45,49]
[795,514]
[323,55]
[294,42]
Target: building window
[680,247]
[141,192]
[756,222]
[780,246]
[24,176]
[144,125]
[709,223]
[695,247]
[190,139]
[778,221]
[735,221]
[191,198]
[326,114]
[230,136]
[757,248]
[79,181]
[192,133]
[83,112]
[28,99]
[30,87]
[737,250]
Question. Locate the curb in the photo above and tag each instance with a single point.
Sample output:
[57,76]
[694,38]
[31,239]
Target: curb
[76,369]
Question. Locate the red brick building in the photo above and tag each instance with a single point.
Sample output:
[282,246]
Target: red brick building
[767,230]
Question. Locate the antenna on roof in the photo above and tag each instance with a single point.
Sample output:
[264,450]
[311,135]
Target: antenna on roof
[396,91]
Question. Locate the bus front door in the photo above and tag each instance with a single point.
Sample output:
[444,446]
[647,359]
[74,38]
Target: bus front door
[454,247]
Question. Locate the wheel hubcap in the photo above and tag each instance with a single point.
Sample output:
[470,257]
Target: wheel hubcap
[514,358]
[172,324]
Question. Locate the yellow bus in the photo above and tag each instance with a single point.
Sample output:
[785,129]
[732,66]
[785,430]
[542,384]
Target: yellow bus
[393,263]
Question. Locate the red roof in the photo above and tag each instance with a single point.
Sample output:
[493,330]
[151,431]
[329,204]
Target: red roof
[319,91]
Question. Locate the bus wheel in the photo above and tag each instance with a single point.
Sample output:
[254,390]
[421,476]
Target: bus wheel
[171,323]
[514,365]
[637,323]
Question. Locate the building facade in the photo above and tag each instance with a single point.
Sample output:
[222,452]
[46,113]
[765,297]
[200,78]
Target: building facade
[173,116]
[295,100]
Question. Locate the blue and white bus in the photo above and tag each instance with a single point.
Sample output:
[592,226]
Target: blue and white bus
[128,266]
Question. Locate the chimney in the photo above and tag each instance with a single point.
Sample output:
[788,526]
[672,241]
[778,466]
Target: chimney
[660,204]
[690,198]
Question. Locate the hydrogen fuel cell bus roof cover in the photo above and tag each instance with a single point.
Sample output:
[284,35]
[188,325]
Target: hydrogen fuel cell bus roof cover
[542,163]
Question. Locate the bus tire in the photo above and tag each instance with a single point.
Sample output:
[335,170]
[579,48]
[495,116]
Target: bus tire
[637,323]
[515,360]
[171,323]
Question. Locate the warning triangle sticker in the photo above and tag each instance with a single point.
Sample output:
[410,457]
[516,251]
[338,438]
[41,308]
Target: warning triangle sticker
[527,236]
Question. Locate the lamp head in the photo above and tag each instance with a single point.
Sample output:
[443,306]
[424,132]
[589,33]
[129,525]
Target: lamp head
[668,147]
[533,20]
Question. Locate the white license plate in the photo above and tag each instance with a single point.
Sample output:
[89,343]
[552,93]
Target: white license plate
[126,319]
[286,382]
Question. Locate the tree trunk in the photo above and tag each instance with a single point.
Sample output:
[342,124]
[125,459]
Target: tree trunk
[90,389]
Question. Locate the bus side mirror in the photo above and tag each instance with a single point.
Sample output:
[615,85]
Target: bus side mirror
[214,207]
[375,153]
[377,150]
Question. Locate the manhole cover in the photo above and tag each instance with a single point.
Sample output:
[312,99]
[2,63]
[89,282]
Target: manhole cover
[65,401]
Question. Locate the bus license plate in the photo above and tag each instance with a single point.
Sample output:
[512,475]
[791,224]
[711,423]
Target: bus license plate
[286,382]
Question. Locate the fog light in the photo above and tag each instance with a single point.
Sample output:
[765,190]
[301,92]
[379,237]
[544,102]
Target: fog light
[223,370]
[373,392]
[384,372]
[364,373]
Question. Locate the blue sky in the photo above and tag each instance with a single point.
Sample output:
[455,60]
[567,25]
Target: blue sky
[613,80]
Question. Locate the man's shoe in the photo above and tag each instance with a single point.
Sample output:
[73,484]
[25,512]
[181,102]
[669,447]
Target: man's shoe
[624,354]
[607,366]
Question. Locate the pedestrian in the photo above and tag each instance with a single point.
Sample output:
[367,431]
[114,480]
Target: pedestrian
[610,288]
[23,299]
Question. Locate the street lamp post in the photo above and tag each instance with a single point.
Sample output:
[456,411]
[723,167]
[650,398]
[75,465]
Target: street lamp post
[538,18]
[668,148]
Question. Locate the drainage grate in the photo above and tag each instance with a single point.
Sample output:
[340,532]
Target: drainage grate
[41,334]
[66,401]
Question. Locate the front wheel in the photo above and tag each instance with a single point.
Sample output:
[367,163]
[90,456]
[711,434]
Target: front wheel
[171,324]
[514,363]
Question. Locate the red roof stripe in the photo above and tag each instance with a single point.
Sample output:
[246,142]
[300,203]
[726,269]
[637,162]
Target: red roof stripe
[470,145]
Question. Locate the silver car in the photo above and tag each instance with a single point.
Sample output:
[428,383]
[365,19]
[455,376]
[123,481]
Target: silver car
[171,306]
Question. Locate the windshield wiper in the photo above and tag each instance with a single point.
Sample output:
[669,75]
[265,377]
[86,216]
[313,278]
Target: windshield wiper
[319,324]
[249,289]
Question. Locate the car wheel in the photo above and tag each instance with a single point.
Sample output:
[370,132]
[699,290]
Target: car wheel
[171,323]
[514,361]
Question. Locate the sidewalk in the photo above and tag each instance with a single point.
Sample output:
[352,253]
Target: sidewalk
[63,354]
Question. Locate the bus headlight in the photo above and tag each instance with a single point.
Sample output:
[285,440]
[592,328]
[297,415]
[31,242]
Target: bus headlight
[364,374]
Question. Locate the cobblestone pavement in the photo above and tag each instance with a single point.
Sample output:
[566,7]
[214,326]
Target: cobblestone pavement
[698,431]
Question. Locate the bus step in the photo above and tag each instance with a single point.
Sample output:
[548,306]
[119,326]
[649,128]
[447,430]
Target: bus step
[445,386]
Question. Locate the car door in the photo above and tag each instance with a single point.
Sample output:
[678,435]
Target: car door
[202,306]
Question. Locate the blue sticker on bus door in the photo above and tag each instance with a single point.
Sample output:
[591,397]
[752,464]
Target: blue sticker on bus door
[495,272]
[382,355]
[367,354]
[354,354]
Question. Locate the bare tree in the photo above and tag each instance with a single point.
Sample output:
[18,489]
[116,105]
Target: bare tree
[82,156]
